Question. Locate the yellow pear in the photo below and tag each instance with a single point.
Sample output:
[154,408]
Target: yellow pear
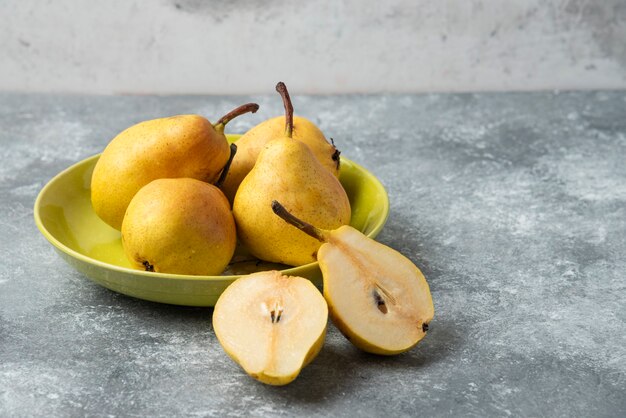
[271,325]
[177,146]
[253,141]
[180,226]
[376,296]
[287,170]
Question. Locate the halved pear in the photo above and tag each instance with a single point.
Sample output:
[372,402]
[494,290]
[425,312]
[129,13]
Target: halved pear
[376,296]
[271,325]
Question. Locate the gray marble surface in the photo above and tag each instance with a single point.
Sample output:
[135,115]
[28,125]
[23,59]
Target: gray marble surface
[513,205]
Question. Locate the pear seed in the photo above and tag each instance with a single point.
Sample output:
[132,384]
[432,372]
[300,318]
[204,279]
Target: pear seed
[276,315]
[380,302]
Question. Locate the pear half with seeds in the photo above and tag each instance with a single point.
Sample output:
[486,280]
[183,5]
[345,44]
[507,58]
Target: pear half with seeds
[271,325]
[376,296]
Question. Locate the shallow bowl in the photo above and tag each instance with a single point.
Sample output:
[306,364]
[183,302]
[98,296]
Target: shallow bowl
[64,215]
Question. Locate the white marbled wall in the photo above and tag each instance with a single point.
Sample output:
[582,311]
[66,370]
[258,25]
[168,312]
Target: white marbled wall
[321,46]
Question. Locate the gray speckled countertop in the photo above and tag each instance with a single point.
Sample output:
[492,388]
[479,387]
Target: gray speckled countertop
[513,205]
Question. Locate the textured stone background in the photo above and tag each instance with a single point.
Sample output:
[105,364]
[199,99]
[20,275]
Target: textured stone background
[320,46]
[514,206]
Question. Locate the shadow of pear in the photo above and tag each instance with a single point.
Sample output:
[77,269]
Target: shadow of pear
[324,378]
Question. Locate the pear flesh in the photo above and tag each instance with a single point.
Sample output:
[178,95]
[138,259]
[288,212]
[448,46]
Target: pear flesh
[376,296]
[271,325]
[252,143]
[180,226]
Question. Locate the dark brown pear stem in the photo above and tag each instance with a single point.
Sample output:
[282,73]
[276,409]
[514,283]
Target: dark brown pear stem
[233,151]
[336,158]
[298,223]
[247,108]
[282,89]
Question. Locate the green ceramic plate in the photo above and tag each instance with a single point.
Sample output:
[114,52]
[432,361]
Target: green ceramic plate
[64,215]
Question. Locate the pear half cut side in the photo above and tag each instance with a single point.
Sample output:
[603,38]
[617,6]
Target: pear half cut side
[271,325]
[376,296]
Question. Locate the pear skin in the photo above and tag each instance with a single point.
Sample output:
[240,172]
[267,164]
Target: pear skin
[178,146]
[271,325]
[252,143]
[287,170]
[179,226]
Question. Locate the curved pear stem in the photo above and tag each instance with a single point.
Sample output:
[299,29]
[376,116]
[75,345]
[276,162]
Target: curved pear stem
[247,108]
[281,88]
[233,151]
[298,223]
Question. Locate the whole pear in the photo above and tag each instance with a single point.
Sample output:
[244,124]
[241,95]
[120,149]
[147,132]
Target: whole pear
[287,170]
[178,146]
[253,141]
[181,226]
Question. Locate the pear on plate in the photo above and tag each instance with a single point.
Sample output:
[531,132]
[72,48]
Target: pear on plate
[178,146]
[253,142]
[287,170]
[180,226]
[271,325]
[376,296]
